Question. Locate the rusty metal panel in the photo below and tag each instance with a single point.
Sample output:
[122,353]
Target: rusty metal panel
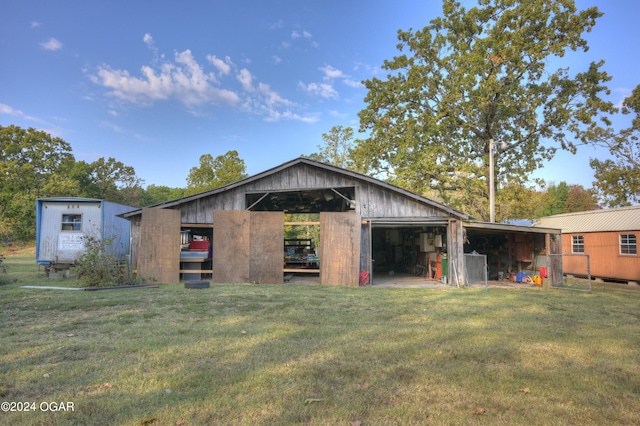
[340,248]
[232,246]
[267,247]
[159,246]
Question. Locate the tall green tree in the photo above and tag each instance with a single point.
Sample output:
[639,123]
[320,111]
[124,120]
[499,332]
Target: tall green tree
[33,164]
[617,179]
[555,200]
[109,179]
[337,147]
[215,172]
[156,194]
[479,75]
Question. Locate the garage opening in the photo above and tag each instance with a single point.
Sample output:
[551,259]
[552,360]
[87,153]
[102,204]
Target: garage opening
[508,251]
[409,250]
[196,252]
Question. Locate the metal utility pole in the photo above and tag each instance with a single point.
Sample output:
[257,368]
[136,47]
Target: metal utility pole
[492,186]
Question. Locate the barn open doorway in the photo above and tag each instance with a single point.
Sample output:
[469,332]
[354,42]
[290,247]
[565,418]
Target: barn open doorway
[509,249]
[409,250]
[306,245]
[301,246]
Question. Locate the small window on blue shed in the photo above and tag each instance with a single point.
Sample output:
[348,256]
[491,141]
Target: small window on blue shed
[628,244]
[72,222]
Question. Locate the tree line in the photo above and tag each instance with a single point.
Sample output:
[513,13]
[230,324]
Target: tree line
[34,164]
[492,78]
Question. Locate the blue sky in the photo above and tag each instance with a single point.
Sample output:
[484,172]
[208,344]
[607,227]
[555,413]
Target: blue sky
[156,84]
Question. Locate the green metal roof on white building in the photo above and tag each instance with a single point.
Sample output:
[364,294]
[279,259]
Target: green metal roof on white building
[605,220]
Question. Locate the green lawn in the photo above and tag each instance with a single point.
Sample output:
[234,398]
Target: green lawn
[264,355]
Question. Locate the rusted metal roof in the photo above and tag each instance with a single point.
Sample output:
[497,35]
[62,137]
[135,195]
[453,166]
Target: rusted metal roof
[606,220]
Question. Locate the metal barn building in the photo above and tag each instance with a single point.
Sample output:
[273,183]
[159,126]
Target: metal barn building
[62,224]
[235,233]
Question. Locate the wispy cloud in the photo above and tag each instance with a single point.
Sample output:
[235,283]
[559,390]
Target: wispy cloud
[35,24]
[276,25]
[187,81]
[8,110]
[323,90]
[297,34]
[622,93]
[331,73]
[51,44]
[223,66]
[352,83]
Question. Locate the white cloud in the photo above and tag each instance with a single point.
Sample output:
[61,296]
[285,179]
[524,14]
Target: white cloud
[112,126]
[623,93]
[148,39]
[335,113]
[276,59]
[245,78]
[224,66]
[286,44]
[35,24]
[295,34]
[8,110]
[288,115]
[185,80]
[276,25]
[331,72]
[271,97]
[319,89]
[51,44]
[352,83]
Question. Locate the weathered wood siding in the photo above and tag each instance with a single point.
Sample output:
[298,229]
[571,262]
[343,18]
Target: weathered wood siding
[378,202]
[603,249]
[160,245]
[372,201]
[248,247]
[267,247]
[340,249]
[232,247]
[201,210]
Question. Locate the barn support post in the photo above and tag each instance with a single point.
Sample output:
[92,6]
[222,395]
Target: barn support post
[456,252]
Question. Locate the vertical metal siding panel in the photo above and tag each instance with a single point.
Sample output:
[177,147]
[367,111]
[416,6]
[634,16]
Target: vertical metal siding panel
[121,228]
[92,220]
[49,230]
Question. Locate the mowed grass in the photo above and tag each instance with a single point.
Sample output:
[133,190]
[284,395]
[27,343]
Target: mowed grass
[265,354]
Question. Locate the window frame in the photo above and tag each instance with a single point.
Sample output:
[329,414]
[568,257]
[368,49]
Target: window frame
[71,224]
[577,244]
[627,246]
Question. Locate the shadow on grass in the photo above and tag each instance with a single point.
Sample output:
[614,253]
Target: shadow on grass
[241,354]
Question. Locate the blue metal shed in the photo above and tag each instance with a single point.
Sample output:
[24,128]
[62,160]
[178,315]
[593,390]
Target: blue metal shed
[62,224]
